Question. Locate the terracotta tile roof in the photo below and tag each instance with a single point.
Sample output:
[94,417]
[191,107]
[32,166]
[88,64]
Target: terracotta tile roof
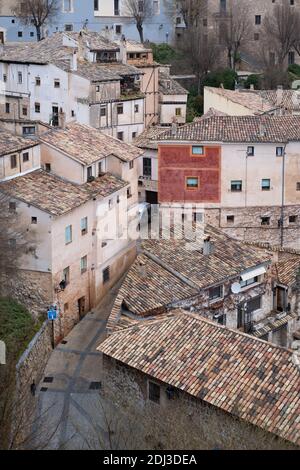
[148,287]
[94,145]
[272,323]
[10,143]
[53,50]
[147,139]
[169,86]
[249,378]
[287,269]
[229,258]
[168,272]
[210,113]
[248,129]
[56,195]
[96,41]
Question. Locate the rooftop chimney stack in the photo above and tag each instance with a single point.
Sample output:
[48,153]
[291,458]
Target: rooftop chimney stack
[74,64]
[208,247]
[62,119]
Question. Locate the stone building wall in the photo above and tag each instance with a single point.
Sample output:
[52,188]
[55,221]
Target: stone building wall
[33,289]
[181,423]
[247,224]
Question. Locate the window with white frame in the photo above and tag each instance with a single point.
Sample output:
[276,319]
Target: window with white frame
[68,234]
[67,6]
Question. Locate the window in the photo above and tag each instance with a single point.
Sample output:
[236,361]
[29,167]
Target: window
[236,186]
[89,173]
[291,58]
[254,304]
[24,111]
[266,184]
[31,34]
[257,19]
[68,234]
[13,161]
[103,111]
[155,7]
[220,319]
[83,264]
[129,195]
[136,108]
[154,392]
[66,307]
[133,135]
[106,275]
[197,150]
[37,81]
[250,151]
[120,108]
[249,282]
[28,130]
[131,165]
[279,151]
[116,8]
[4,78]
[118,29]
[120,135]
[69,27]
[48,167]
[192,182]
[178,112]
[37,107]
[216,293]
[20,34]
[293,219]
[66,275]
[298,186]
[34,220]
[20,78]
[68,6]
[230,219]
[96,5]
[12,207]
[147,167]
[256,36]
[56,83]
[26,157]
[84,226]
[7,108]
[265,220]
[118,199]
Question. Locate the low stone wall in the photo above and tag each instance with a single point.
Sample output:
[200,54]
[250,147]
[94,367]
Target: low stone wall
[29,368]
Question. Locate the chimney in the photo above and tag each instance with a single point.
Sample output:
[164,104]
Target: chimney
[279,95]
[262,130]
[74,64]
[174,127]
[62,119]
[208,246]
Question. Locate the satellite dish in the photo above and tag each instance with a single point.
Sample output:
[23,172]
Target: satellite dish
[236,288]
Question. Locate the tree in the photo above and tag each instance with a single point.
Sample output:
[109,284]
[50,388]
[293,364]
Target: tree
[191,11]
[235,31]
[37,13]
[140,10]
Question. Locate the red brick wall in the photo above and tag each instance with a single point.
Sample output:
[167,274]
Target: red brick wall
[175,163]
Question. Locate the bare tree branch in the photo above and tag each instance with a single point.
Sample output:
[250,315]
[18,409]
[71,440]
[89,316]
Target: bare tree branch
[140,10]
[37,13]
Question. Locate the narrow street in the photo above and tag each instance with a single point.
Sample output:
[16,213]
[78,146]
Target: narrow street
[70,413]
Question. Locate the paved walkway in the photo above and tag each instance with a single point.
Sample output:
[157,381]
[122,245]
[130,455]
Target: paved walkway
[70,413]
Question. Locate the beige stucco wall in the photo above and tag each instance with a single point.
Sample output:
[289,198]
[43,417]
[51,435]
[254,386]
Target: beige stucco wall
[7,172]
[223,104]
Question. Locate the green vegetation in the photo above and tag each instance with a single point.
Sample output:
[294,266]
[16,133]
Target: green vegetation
[194,105]
[254,80]
[17,327]
[227,77]
[294,69]
[164,54]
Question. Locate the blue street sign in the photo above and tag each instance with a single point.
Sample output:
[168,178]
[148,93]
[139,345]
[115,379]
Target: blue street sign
[52,315]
